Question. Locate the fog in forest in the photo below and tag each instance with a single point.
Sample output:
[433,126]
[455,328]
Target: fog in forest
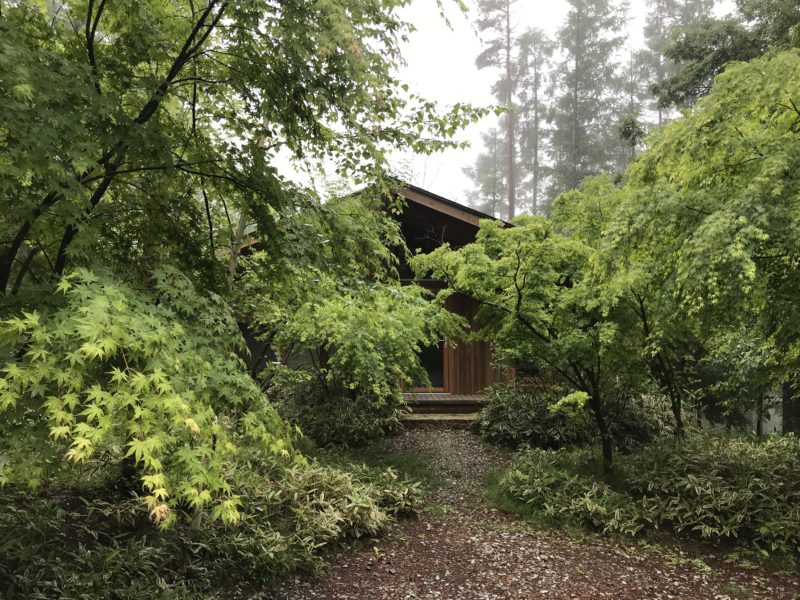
[583,82]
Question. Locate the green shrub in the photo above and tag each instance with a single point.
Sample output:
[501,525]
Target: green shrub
[634,421]
[520,413]
[548,480]
[331,414]
[722,486]
[711,485]
[93,543]
[150,377]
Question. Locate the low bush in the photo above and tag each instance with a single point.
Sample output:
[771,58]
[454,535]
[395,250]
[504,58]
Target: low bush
[722,486]
[90,543]
[712,485]
[332,415]
[551,481]
[520,413]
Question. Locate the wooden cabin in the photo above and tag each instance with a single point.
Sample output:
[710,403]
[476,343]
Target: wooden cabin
[427,222]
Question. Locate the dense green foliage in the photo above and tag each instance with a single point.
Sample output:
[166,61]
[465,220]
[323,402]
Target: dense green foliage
[360,347]
[519,413]
[117,373]
[66,546]
[541,307]
[701,51]
[338,332]
[162,123]
[711,485]
[679,280]
[331,414]
[526,413]
[144,224]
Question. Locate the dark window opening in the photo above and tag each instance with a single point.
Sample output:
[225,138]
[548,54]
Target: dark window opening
[432,358]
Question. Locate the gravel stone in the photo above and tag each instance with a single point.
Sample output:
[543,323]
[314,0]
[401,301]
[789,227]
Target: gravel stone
[472,551]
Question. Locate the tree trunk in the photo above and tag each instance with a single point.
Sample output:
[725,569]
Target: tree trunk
[677,411]
[23,270]
[760,417]
[10,255]
[790,410]
[596,403]
[536,117]
[574,130]
[236,247]
[511,175]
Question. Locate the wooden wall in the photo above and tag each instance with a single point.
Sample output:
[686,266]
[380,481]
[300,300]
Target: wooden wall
[469,365]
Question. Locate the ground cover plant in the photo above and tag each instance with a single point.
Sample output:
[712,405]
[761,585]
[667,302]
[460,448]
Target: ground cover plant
[712,485]
[88,541]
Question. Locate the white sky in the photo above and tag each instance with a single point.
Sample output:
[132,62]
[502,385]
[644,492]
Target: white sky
[440,65]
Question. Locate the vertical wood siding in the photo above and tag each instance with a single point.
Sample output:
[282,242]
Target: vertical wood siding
[470,364]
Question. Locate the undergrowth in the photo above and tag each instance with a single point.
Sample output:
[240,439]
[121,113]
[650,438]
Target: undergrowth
[72,542]
[711,486]
[521,413]
[335,416]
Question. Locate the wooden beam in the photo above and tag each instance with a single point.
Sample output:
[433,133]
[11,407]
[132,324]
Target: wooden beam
[437,205]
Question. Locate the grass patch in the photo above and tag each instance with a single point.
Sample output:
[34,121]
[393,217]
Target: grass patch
[438,510]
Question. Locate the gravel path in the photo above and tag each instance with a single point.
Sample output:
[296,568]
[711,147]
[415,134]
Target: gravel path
[462,549]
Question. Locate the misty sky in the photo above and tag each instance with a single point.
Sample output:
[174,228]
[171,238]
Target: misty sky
[441,66]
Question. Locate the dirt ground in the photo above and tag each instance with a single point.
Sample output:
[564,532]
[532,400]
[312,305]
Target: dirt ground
[463,549]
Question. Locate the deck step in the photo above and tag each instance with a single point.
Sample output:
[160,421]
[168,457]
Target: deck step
[447,409]
[440,419]
[426,403]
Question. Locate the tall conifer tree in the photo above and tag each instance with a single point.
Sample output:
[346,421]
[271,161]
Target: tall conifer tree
[536,50]
[586,88]
[495,19]
[664,20]
[488,176]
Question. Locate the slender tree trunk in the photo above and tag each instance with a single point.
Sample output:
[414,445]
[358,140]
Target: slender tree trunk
[536,117]
[760,417]
[790,410]
[7,260]
[510,133]
[494,174]
[574,129]
[236,248]
[23,270]
[677,412]
[596,404]
[660,78]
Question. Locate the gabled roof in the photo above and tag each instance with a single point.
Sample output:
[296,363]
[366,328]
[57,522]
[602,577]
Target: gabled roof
[443,205]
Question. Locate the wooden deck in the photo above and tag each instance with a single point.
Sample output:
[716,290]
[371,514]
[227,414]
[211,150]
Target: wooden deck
[442,396]
[442,408]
